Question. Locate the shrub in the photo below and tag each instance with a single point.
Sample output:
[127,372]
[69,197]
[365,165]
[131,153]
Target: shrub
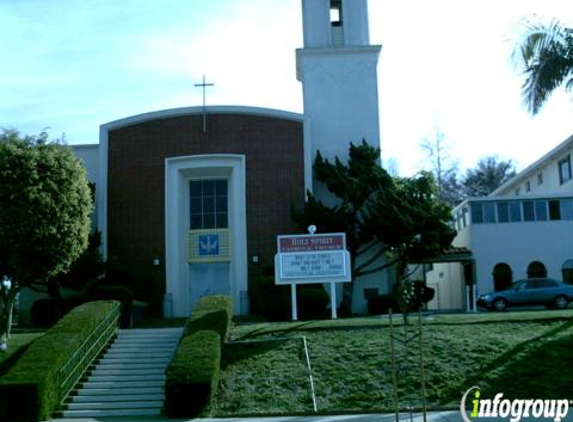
[420,295]
[380,305]
[30,391]
[416,295]
[119,293]
[193,374]
[312,302]
[270,301]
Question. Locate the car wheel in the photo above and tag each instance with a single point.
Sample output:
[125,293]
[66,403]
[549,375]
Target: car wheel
[499,304]
[560,302]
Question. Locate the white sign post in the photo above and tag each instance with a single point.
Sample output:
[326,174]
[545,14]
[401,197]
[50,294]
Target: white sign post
[314,258]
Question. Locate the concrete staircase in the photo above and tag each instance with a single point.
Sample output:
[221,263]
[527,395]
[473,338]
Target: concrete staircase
[129,379]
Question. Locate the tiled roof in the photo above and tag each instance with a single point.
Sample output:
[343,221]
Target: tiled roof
[452,254]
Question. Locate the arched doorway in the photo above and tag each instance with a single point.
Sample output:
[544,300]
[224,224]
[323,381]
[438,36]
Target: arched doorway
[567,271]
[502,276]
[536,270]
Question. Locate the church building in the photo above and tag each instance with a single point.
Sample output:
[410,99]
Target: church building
[191,200]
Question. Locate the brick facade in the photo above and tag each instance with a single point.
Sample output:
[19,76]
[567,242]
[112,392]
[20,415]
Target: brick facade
[136,193]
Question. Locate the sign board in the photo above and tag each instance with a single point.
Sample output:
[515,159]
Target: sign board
[314,258]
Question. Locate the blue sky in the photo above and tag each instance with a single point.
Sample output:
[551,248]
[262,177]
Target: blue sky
[73,65]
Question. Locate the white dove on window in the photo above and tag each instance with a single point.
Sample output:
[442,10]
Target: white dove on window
[209,245]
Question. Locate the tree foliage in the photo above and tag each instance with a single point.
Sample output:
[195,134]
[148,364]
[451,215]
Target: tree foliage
[453,187]
[45,211]
[489,174]
[545,55]
[388,221]
[444,168]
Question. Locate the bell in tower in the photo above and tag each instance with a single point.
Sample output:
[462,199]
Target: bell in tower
[336,27]
[335,23]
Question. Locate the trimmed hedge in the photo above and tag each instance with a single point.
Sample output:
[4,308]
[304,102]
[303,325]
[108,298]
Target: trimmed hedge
[193,374]
[30,391]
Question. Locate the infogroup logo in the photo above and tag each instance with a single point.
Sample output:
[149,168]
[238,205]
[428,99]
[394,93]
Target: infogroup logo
[515,410]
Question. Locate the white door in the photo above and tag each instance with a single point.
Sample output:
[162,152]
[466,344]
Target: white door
[209,268]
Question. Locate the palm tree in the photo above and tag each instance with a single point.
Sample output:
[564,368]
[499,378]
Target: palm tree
[545,54]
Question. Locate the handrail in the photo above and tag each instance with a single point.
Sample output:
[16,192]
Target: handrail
[75,366]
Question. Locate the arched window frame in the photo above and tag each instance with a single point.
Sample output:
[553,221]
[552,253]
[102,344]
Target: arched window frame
[536,269]
[502,276]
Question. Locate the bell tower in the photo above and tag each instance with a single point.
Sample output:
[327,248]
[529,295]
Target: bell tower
[338,71]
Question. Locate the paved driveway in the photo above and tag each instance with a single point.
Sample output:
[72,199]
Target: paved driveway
[452,416]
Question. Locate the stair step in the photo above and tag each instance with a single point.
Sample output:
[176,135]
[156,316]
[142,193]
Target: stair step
[105,372]
[115,378]
[143,348]
[140,350]
[128,366]
[130,398]
[135,357]
[109,413]
[150,330]
[128,379]
[147,339]
[106,398]
[150,340]
[126,348]
[117,385]
[148,336]
[116,391]
[106,405]
[126,363]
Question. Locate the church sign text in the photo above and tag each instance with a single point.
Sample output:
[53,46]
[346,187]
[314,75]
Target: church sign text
[312,259]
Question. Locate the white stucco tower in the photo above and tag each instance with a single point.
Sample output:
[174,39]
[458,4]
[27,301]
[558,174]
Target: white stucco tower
[338,70]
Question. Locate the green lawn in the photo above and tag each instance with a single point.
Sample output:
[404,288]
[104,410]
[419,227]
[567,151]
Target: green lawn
[521,354]
[16,345]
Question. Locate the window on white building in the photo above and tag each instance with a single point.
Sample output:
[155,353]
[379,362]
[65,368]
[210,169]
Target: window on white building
[554,210]
[477,214]
[489,212]
[514,211]
[502,276]
[541,210]
[528,211]
[565,170]
[536,269]
[503,212]
[517,211]
[566,208]
[567,271]
[483,212]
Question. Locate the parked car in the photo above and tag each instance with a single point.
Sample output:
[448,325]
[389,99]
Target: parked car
[530,292]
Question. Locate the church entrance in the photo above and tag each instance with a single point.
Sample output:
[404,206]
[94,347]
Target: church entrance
[209,258]
[205,231]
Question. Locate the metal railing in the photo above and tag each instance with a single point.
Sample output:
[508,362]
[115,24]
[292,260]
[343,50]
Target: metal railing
[73,369]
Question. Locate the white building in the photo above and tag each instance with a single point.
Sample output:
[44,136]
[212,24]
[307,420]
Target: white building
[523,229]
